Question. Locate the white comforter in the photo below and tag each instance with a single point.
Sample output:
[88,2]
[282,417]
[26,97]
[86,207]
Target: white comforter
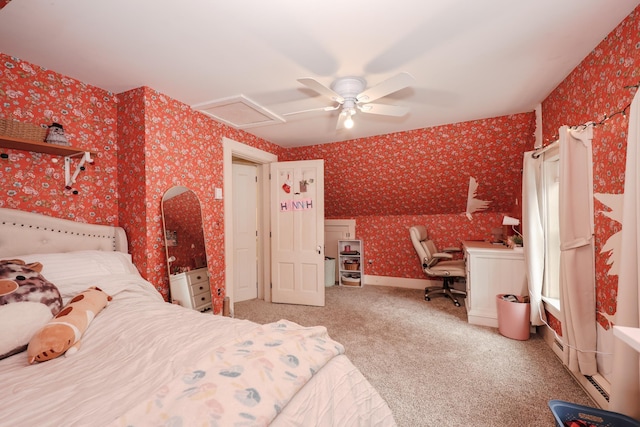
[138,344]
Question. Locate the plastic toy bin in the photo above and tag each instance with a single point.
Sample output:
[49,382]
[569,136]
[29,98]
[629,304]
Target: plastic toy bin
[564,412]
[513,316]
[329,271]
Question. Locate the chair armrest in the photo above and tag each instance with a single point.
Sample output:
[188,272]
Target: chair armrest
[429,263]
[451,249]
[442,255]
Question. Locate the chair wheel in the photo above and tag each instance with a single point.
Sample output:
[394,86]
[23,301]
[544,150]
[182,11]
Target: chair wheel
[426,298]
[456,303]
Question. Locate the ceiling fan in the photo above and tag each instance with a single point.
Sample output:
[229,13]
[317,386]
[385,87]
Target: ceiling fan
[350,95]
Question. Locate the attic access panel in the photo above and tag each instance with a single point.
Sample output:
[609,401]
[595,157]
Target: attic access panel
[239,112]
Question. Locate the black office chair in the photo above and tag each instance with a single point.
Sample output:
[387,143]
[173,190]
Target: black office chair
[438,264]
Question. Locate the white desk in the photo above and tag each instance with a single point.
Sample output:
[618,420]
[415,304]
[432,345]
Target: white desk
[491,270]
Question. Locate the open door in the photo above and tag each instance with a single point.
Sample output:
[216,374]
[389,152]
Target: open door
[297,232]
[245,232]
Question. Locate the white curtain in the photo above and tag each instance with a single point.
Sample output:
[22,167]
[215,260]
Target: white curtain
[625,384]
[577,270]
[532,233]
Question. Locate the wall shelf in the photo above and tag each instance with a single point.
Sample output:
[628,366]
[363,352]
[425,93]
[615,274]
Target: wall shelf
[39,147]
[68,152]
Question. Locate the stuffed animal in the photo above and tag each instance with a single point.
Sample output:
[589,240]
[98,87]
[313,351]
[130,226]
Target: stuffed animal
[20,282]
[62,334]
[55,135]
[27,302]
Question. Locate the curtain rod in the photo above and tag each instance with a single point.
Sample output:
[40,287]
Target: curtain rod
[540,151]
[606,118]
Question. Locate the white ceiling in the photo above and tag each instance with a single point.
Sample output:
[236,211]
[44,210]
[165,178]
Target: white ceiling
[470,59]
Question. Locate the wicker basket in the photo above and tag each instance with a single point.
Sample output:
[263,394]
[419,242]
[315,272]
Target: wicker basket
[350,281]
[352,266]
[21,130]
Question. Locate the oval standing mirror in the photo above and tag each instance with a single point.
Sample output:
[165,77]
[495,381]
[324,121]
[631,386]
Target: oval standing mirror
[186,253]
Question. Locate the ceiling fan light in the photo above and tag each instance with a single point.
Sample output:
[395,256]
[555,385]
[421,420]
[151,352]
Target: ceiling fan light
[348,123]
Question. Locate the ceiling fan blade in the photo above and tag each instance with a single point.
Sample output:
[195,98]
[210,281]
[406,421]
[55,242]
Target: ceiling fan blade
[310,110]
[384,109]
[392,84]
[321,89]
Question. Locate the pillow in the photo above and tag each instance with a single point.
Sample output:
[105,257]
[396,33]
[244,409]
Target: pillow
[70,266]
[27,302]
[20,321]
[73,272]
[61,335]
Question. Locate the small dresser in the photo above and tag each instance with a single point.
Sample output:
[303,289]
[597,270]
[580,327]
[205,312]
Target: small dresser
[191,289]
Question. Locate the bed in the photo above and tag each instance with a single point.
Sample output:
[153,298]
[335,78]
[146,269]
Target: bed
[143,361]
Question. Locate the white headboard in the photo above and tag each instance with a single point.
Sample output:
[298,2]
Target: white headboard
[24,233]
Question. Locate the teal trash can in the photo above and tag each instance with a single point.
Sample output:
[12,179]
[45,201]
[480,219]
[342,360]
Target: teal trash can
[329,271]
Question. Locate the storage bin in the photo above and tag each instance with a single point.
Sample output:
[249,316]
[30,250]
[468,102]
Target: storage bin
[564,412]
[21,130]
[351,265]
[350,281]
[329,271]
[513,317]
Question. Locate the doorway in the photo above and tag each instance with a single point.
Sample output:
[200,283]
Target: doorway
[233,149]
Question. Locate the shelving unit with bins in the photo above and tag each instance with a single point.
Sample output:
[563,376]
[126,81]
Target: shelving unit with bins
[350,263]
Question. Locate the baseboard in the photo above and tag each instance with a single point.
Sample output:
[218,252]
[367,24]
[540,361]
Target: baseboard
[550,338]
[399,282]
[403,282]
[597,387]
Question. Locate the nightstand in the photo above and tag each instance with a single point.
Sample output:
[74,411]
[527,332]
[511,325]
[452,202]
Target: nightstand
[191,289]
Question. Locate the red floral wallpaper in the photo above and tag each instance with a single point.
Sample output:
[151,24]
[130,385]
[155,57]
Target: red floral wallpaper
[425,171]
[594,89]
[162,142]
[35,182]
[386,239]
[554,323]
[182,215]
[131,179]
[390,182]
[166,144]
[147,143]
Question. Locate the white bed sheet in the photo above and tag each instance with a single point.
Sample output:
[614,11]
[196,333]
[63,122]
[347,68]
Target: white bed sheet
[123,359]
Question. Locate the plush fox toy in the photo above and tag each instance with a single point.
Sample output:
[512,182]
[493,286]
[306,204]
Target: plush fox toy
[63,332]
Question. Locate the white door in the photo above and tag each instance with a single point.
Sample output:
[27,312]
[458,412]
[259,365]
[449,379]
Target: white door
[245,260]
[297,232]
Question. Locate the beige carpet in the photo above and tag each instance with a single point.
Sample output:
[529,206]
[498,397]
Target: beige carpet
[429,364]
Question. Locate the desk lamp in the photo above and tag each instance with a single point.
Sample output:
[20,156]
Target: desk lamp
[508,220]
